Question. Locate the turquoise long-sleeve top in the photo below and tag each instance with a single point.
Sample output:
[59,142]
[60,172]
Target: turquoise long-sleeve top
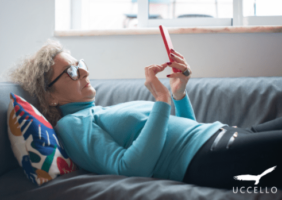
[136,138]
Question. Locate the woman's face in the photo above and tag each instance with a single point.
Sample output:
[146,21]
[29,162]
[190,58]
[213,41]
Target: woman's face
[65,90]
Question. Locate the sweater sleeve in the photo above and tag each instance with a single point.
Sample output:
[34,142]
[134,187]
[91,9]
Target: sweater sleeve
[95,150]
[183,107]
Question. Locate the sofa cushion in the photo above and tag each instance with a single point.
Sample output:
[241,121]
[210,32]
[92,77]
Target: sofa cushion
[34,143]
[7,158]
[81,184]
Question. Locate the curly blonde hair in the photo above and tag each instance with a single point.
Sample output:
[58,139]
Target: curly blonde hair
[34,72]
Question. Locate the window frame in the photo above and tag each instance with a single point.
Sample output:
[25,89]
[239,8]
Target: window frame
[144,21]
[240,20]
[237,20]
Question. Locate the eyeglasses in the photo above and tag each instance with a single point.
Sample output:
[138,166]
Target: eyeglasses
[72,71]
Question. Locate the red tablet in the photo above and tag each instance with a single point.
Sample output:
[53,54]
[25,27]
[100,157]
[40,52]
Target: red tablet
[168,44]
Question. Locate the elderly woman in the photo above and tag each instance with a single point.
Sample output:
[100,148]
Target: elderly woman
[141,138]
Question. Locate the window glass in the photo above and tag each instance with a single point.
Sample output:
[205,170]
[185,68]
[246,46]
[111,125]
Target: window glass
[262,7]
[62,15]
[95,14]
[106,14]
[169,9]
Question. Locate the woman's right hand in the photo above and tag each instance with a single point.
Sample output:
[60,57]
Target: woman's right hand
[158,90]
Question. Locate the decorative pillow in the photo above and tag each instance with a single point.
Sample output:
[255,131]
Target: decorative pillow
[35,144]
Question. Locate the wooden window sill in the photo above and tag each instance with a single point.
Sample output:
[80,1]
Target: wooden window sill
[174,30]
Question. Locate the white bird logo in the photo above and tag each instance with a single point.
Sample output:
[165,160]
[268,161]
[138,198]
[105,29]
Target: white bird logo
[248,177]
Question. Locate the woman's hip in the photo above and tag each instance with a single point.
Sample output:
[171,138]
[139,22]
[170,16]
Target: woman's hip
[234,151]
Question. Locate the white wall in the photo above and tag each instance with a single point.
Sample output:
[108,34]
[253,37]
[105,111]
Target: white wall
[26,25]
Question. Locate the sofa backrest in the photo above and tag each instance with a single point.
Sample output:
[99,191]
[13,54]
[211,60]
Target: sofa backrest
[243,101]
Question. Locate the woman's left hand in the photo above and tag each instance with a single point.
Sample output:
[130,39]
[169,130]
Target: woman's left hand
[178,81]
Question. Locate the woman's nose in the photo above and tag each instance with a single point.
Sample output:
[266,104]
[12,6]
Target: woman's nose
[83,72]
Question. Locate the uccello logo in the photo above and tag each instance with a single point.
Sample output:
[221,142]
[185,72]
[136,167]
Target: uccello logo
[256,178]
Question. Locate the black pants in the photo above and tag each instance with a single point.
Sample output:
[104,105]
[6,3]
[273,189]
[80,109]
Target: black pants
[253,151]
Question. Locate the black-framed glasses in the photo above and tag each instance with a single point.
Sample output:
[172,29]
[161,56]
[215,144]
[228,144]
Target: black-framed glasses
[72,71]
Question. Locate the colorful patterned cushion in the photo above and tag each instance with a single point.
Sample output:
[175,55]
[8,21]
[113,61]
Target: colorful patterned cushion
[35,144]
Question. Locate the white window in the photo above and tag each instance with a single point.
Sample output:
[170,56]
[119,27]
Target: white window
[95,14]
[259,12]
[62,15]
[185,13]
[118,14]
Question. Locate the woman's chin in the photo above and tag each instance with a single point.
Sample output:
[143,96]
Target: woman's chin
[90,92]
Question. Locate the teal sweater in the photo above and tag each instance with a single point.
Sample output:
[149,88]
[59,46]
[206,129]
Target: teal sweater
[136,138]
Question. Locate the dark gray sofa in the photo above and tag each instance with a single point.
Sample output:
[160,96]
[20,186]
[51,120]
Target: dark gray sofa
[240,101]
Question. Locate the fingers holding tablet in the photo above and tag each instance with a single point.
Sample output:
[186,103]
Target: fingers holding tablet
[176,65]
[176,58]
[177,53]
[177,61]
